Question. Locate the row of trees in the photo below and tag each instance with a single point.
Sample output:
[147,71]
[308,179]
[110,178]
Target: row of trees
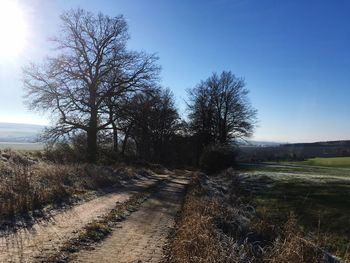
[94,86]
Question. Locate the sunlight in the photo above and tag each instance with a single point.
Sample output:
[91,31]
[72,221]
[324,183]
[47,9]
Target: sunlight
[12,29]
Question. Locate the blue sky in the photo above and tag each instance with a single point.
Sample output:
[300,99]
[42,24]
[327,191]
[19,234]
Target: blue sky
[294,56]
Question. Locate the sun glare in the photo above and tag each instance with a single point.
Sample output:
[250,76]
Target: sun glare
[12,29]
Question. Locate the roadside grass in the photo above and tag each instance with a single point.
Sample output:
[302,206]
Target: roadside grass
[218,223]
[329,162]
[28,189]
[321,202]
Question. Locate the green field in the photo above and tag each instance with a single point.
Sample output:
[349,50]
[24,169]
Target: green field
[318,196]
[22,146]
[329,162]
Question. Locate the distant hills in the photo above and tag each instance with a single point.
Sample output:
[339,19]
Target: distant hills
[19,132]
[295,151]
[259,143]
[342,143]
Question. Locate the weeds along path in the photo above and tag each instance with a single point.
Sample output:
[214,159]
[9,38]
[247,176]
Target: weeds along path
[141,237]
[46,237]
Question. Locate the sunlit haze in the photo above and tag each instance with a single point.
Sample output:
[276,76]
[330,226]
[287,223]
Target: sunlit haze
[13,29]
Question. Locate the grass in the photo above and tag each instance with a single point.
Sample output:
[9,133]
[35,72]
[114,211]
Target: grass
[21,146]
[328,162]
[218,225]
[320,199]
[27,188]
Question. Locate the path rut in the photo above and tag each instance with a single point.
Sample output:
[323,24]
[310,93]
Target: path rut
[141,237]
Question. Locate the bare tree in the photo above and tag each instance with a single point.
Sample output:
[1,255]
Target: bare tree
[91,66]
[220,110]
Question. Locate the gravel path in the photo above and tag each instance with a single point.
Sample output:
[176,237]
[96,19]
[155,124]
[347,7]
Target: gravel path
[141,237]
[46,237]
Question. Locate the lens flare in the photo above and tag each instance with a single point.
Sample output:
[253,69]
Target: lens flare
[13,29]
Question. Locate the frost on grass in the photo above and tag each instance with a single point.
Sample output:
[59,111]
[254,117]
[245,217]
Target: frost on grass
[219,224]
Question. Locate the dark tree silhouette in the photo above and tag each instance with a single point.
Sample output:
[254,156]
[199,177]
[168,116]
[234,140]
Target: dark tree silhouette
[91,70]
[150,119]
[219,110]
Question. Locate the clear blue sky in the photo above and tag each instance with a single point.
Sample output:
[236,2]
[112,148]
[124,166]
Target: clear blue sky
[294,56]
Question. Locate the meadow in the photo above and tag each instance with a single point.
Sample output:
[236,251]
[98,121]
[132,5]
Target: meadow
[328,162]
[319,197]
[21,146]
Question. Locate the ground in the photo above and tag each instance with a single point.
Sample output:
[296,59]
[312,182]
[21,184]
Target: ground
[132,222]
[140,235]
[318,196]
[328,162]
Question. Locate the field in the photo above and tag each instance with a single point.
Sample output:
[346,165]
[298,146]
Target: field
[329,162]
[21,146]
[318,196]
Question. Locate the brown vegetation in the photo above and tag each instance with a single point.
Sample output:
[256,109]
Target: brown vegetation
[27,187]
[218,224]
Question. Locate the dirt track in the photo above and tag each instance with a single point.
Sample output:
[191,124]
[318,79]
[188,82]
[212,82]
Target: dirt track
[46,237]
[141,237]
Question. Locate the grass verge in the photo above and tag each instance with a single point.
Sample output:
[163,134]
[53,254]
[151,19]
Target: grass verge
[219,223]
[28,188]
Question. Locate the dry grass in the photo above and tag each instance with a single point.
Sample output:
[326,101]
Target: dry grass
[26,187]
[218,225]
[293,247]
[208,231]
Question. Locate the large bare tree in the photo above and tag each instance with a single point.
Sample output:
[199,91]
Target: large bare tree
[220,110]
[90,69]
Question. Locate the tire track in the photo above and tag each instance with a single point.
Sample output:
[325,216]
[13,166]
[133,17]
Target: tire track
[141,237]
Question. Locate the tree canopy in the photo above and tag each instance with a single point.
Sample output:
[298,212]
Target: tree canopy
[220,111]
[92,68]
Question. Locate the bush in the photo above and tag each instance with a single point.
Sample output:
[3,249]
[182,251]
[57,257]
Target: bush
[216,158]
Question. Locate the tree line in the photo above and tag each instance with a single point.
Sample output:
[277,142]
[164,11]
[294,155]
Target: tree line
[97,89]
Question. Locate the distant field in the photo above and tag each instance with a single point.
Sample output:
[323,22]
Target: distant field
[318,196]
[22,146]
[330,162]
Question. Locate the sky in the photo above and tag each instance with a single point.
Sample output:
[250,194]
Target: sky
[293,54]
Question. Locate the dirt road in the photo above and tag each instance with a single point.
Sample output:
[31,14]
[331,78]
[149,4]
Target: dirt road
[46,237]
[141,237]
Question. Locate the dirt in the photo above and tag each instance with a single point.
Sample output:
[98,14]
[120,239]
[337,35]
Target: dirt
[46,236]
[142,236]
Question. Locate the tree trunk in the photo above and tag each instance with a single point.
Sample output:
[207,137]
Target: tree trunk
[126,137]
[115,137]
[92,139]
